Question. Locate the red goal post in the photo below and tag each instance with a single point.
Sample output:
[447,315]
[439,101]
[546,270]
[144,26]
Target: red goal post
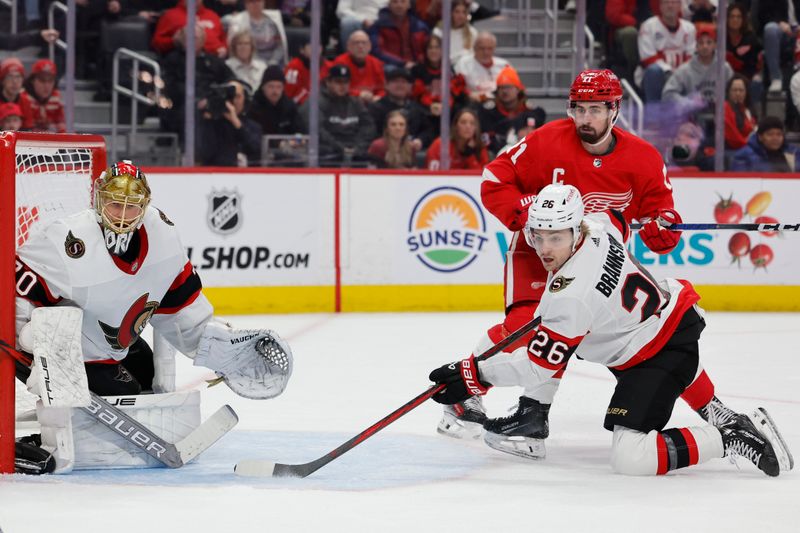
[43,176]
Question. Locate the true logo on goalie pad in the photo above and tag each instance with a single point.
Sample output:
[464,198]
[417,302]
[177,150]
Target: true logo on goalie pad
[224,212]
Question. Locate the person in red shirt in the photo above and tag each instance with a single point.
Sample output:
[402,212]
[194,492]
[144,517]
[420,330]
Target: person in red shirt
[467,150]
[46,105]
[739,121]
[367,79]
[12,76]
[613,169]
[174,20]
[298,75]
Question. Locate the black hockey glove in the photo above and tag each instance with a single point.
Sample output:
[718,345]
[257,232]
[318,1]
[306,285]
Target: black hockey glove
[461,379]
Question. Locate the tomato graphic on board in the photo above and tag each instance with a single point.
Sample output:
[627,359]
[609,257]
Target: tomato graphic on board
[767,220]
[761,255]
[727,211]
[739,246]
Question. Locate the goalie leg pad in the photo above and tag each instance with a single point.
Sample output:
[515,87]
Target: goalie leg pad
[255,363]
[171,416]
[57,438]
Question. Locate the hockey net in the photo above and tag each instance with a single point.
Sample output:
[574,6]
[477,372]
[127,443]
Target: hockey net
[50,176]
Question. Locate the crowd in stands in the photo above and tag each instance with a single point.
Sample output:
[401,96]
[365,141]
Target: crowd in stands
[380,78]
[666,49]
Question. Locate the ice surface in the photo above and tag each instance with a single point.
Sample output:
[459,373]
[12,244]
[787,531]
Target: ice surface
[353,369]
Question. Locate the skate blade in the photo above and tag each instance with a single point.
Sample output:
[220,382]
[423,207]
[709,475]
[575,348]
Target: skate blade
[526,447]
[766,425]
[452,427]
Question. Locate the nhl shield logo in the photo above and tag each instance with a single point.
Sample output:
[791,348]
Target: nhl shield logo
[224,211]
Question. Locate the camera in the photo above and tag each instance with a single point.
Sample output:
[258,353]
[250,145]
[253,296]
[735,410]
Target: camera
[219,93]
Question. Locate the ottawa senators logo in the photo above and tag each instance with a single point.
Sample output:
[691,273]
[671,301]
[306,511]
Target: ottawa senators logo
[132,325]
[560,283]
[164,218]
[74,247]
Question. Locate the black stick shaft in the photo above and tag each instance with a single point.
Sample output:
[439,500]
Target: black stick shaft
[740,227]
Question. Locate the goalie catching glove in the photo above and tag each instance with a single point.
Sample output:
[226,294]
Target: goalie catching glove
[461,380]
[254,363]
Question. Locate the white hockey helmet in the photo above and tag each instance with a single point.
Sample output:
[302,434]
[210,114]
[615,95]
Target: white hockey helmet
[556,207]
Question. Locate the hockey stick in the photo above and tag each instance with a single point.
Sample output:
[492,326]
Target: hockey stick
[263,468]
[173,455]
[741,227]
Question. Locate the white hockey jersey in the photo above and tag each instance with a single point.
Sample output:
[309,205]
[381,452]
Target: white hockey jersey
[670,49]
[601,306]
[66,263]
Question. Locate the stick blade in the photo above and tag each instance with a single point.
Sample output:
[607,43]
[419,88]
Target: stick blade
[207,433]
[259,468]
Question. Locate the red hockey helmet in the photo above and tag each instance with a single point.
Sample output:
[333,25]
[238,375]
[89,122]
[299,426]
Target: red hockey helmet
[596,86]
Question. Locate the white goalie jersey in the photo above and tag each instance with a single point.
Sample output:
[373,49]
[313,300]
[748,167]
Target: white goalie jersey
[600,305]
[67,263]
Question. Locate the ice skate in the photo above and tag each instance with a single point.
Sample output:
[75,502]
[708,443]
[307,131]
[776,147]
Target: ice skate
[741,439]
[767,427]
[463,420]
[521,433]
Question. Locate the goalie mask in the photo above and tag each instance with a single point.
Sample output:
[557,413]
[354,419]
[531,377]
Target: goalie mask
[121,196]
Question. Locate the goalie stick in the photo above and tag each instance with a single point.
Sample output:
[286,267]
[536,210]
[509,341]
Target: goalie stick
[264,468]
[741,227]
[173,455]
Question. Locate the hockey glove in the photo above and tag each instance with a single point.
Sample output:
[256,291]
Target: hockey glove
[656,233]
[461,379]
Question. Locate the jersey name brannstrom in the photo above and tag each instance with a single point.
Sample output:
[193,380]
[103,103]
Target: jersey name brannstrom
[612,267]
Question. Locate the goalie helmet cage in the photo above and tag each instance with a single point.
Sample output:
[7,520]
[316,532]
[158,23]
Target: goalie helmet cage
[43,177]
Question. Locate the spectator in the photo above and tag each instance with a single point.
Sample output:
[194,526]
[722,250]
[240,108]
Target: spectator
[298,75]
[10,117]
[12,74]
[276,113]
[173,21]
[693,85]
[508,111]
[739,121]
[242,62]
[15,41]
[367,79]
[46,107]
[429,11]
[779,38]
[266,27]
[691,148]
[462,33]
[466,149]
[480,70]
[229,138]
[210,70]
[357,15]
[346,128]
[665,42]
[296,13]
[743,48]
[398,97]
[398,36]
[395,148]
[427,78]
[624,32]
[767,150]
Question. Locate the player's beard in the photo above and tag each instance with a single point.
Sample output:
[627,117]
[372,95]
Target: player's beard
[589,135]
